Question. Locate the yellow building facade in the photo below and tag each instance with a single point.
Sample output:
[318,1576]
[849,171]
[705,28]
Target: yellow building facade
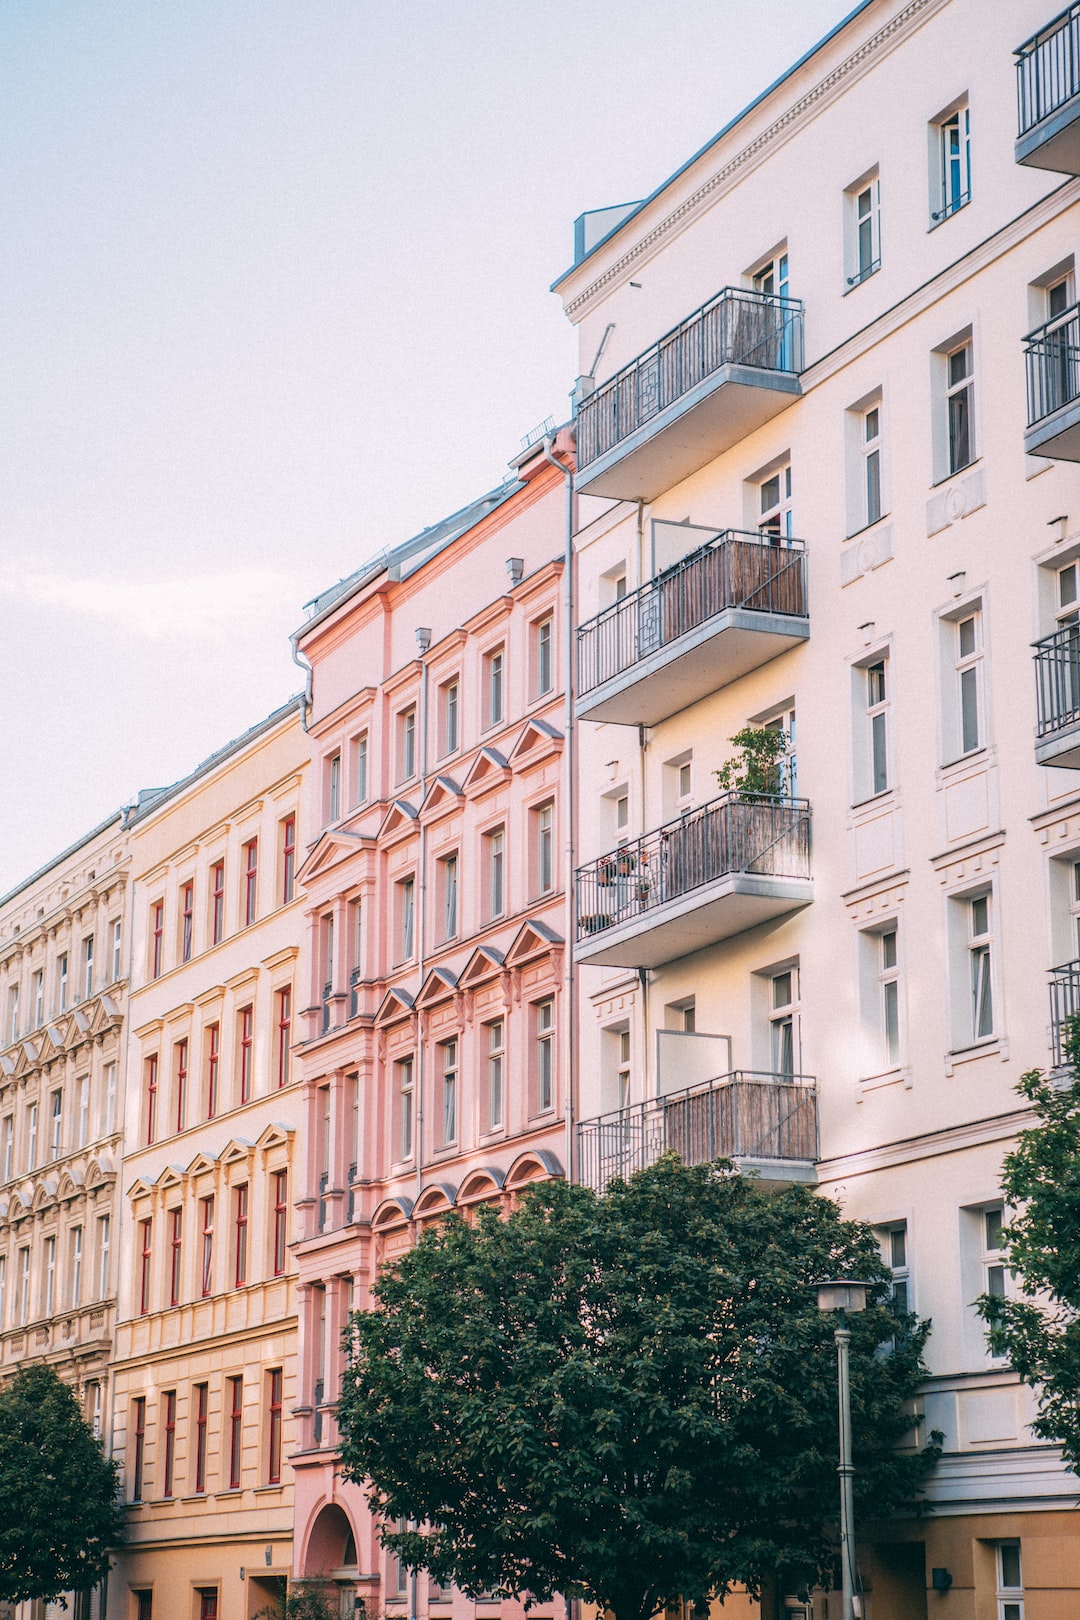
[206,1320]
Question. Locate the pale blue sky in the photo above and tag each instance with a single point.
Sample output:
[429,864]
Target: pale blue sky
[273,294]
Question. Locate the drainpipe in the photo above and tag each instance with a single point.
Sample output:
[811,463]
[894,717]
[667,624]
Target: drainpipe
[570,792]
[423,642]
[309,674]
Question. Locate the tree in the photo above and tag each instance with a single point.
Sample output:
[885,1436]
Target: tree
[60,1509]
[1041,1336]
[631,1397]
[757,768]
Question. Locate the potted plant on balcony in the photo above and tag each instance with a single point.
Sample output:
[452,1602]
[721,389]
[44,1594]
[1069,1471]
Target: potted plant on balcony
[614,867]
[593,922]
[756,771]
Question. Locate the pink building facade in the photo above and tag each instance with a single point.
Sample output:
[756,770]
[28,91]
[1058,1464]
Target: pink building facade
[431,1052]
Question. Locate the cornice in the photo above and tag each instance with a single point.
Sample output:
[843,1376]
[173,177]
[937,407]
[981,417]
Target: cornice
[790,123]
[954,1139]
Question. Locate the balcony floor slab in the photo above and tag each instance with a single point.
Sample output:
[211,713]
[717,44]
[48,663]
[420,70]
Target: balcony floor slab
[1060,748]
[682,671]
[1056,437]
[1054,143]
[727,406]
[704,916]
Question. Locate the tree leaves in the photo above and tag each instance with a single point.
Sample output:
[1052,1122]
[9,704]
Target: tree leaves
[59,1505]
[629,1398]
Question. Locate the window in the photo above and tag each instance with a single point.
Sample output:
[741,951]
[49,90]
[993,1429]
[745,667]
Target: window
[82,1110]
[544,833]
[333,787]
[13,1013]
[407,916]
[273,1426]
[75,1270]
[995,1272]
[3,1290]
[281,1220]
[217,902]
[31,1136]
[138,1425]
[783,1017]
[93,1407]
[327,932]
[39,998]
[24,1286]
[864,229]
[169,1423]
[622,1073]
[1010,1584]
[979,963]
[496,1054]
[116,944]
[176,1254]
[62,976]
[49,1292]
[251,881]
[545,659]
[56,1124]
[403,1086]
[969,681]
[151,1082]
[544,1013]
[871,466]
[406,738]
[206,1228]
[145,1234]
[894,1252]
[448,1054]
[950,141]
[496,872]
[959,406]
[88,966]
[288,859]
[180,1082]
[448,868]
[889,997]
[208,1602]
[284,1034]
[451,715]
[202,1404]
[110,1098]
[187,921]
[774,505]
[622,812]
[493,687]
[213,1064]
[360,768]
[103,1257]
[236,1419]
[157,937]
[872,757]
[245,1035]
[9,1146]
[240,1234]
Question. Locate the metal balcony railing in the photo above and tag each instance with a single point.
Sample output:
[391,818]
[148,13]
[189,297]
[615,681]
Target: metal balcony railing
[764,834]
[743,1115]
[1052,358]
[1048,69]
[736,327]
[737,569]
[1057,680]
[1064,1009]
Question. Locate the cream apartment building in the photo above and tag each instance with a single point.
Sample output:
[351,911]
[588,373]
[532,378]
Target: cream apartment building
[205,1353]
[64,967]
[826,433]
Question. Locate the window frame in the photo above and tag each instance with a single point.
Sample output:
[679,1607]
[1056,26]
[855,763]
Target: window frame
[187,919]
[288,860]
[449,1073]
[217,902]
[168,1472]
[274,1405]
[206,1247]
[138,1461]
[241,1216]
[202,1412]
[245,1053]
[283,1022]
[544,1036]
[280,1233]
[157,938]
[250,853]
[862,202]
[544,654]
[176,1254]
[235,1419]
[146,1243]
[494,1075]
[180,1081]
[950,198]
[495,687]
[212,1042]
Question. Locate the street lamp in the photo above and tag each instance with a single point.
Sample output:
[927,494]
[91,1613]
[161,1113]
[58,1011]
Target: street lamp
[841,1296]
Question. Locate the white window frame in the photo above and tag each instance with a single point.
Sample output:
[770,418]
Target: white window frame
[451,717]
[1010,1596]
[404,1085]
[406,741]
[103,1250]
[775,519]
[448,1055]
[495,1075]
[494,687]
[407,917]
[544,1015]
[965,684]
[863,206]
[957,386]
[495,849]
[545,847]
[783,1016]
[360,767]
[449,871]
[544,632]
[950,163]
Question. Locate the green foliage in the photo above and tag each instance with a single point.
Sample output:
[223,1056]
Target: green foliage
[1041,1336]
[60,1510]
[756,768]
[629,1398]
[306,1600]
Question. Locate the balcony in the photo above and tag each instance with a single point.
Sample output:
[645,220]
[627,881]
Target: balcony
[1052,357]
[1064,1007]
[718,376]
[1048,95]
[732,604]
[765,1122]
[735,863]
[1057,687]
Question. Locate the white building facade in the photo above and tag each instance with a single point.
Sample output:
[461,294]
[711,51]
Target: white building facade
[826,434]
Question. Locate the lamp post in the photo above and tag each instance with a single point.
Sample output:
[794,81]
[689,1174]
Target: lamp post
[842,1296]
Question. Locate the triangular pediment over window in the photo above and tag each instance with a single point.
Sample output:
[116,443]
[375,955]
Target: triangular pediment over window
[534,938]
[439,985]
[441,797]
[484,963]
[400,818]
[394,1006]
[488,770]
[330,848]
[538,737]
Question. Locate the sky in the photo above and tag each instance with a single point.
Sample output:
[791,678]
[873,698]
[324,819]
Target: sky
[273,295]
